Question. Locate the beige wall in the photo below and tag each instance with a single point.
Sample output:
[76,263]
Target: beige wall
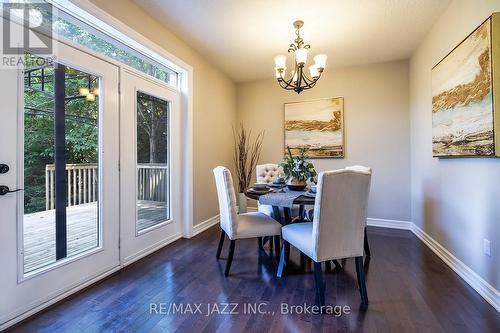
[214,103]
[455,201]
[376,126]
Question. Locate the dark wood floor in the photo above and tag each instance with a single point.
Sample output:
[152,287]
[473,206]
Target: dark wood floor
[410,290]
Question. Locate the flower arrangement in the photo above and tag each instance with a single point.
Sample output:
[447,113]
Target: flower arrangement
[298,170]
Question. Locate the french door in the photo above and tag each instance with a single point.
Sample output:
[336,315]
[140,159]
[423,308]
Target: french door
[59,135]
[149,168]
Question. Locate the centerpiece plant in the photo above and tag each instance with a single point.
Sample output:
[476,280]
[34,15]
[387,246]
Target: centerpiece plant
[298,170]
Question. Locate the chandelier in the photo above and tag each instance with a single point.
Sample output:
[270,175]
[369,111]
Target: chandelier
[298,80]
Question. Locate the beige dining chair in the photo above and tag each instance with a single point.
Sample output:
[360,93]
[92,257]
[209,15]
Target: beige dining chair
[238,226]
[267,174]
[310,212]
[337,230]
[366,169]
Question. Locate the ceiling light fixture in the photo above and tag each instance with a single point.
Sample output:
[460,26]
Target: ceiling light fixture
[298,80]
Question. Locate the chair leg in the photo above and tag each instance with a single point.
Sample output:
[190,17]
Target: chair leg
[360,271]
[320,284]
[338,266]
[271,245]
[282,263]
[328,266]
[367,246]
[230,257]
[221,243]
[260,243]
[277,246]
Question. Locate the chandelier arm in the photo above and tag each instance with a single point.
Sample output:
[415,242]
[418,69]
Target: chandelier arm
[286,83]
[310,81]
[283,84]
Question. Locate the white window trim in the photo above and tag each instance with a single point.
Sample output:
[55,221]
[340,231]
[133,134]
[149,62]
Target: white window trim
[99,19]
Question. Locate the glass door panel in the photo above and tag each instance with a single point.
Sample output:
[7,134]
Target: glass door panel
[152,157]
[61,141]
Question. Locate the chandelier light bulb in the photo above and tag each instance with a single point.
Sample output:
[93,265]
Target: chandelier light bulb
[280,72]
[314,71]
[280,62]
[320,61]
[301,56]
[84,91]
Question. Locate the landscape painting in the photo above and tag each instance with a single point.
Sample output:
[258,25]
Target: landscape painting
[317,126]
[462,101]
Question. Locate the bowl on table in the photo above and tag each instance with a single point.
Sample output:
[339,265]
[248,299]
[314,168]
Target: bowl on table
[279,181]
[314,188]
[260,186]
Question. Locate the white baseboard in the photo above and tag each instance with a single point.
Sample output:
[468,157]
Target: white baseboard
[483,288]
[150,249]
[77,287]
[393,224]
[200,227]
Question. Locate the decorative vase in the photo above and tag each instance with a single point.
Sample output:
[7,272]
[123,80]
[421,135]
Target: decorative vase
[242,203]
[296,185]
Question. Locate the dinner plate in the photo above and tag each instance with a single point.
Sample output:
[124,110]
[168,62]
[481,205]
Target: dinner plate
[251,190]
[309,194]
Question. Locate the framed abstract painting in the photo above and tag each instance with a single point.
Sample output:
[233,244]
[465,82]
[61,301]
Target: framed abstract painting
[463,96]
[317,126]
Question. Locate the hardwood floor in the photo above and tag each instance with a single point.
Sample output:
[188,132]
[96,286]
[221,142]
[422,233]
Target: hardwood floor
[409,288]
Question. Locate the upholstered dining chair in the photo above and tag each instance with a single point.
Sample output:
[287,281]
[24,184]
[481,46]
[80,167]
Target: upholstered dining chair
[310,212]
[238,226]
[337,230]
[267,174]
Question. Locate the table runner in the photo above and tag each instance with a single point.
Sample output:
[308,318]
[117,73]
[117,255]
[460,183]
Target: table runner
[280,199]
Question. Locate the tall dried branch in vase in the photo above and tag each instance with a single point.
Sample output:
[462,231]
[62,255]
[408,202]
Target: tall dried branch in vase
[246,155]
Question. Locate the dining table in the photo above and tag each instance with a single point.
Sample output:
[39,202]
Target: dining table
[302,199]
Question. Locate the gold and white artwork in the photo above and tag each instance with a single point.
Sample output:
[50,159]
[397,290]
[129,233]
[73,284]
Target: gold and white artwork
[317,126]
[462,102]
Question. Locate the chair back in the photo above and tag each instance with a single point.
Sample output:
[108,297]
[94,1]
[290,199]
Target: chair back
[340,213]
[227,200]
[267,173]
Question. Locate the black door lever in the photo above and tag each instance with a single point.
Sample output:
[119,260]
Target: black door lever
[5,189]
[4,168]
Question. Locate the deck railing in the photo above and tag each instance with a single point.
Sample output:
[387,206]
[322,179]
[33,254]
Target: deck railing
[152,182]
[82,181]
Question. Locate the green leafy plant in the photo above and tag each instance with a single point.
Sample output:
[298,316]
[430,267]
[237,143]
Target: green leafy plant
[298,167]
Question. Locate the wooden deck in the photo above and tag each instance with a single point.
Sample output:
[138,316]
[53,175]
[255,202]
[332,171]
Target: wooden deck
[39,231]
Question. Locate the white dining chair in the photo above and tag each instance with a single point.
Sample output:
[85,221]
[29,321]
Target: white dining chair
[267,174]
[238,226]
[337,230]
[366,169]
[310,212]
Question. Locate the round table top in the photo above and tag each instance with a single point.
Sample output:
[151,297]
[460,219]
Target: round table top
[302,200]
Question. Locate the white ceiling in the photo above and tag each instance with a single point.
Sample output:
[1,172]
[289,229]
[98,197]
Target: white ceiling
[241,37]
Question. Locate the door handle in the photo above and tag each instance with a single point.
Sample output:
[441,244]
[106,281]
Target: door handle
[4,168]
[5,189]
